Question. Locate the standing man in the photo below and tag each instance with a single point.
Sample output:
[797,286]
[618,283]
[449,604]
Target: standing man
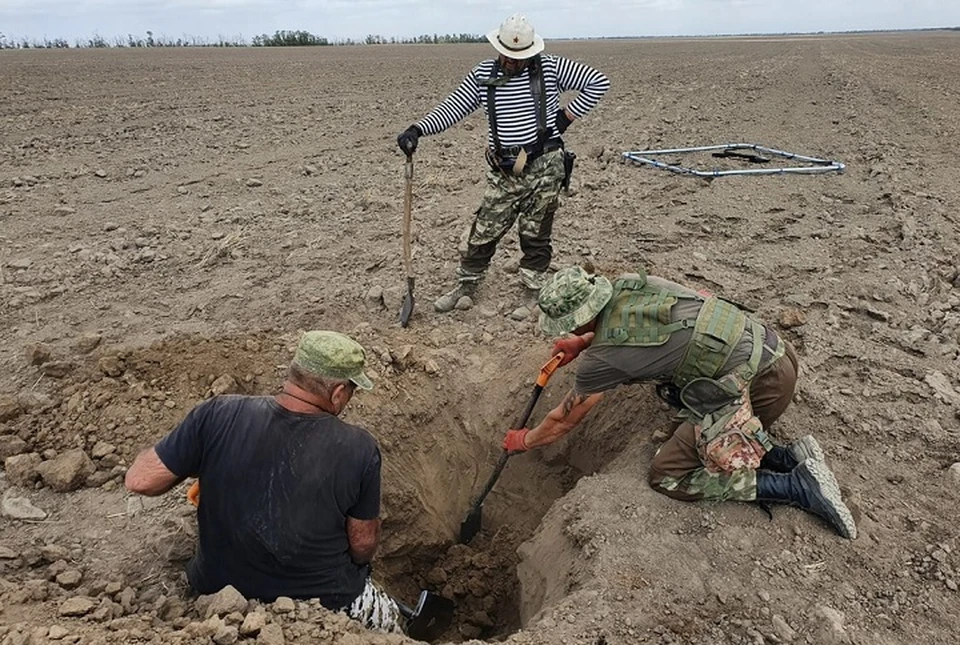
[731,377]
[291,494]
[520,94]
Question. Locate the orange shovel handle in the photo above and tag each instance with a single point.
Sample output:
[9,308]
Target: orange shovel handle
[549,368]
[193,495]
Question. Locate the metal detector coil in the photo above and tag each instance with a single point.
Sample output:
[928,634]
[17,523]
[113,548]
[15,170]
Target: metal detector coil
[757,154]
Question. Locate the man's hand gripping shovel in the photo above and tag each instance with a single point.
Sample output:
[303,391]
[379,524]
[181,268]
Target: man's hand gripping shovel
[471,525]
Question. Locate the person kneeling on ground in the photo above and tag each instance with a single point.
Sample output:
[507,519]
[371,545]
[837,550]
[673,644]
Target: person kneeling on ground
[291,494]
[730,376]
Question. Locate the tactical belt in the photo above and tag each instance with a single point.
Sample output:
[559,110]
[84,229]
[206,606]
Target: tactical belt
[509,153]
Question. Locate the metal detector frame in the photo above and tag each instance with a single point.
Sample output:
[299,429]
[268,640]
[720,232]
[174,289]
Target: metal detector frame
[819,166]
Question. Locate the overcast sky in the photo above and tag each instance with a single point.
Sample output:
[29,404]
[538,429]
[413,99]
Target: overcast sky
[340,19]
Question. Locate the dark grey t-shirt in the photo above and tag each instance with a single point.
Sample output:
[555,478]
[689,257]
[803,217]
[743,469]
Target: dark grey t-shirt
[604,367]
[276,488]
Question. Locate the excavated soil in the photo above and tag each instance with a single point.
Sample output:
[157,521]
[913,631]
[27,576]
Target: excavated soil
[171,219]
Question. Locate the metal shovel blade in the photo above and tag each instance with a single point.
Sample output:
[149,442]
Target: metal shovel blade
[470,526]
[430,618]
[474,520]
[408,301]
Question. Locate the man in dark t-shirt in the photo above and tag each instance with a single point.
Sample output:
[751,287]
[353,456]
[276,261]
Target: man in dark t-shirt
[290,499]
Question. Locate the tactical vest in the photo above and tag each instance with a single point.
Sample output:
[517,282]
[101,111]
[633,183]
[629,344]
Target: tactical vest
[638,315]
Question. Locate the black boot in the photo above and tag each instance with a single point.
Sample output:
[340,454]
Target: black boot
[779,460]
[812,487]
[783,459]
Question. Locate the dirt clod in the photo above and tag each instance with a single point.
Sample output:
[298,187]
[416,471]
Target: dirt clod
[271,634]
[21,470]
[253,623]
[225,601]
[67,471]
[11,445]
[77,606]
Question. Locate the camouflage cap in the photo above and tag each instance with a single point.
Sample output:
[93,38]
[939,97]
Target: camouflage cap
[571,299]
[332,355]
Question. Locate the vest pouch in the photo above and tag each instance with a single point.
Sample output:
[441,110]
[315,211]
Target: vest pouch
[710,343]
[704,396]
[731,438]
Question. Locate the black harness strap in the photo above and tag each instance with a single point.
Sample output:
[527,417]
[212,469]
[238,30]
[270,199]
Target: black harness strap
[538,89]
[492,105]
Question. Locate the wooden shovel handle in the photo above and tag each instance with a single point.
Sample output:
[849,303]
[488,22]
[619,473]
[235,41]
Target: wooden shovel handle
[407,217]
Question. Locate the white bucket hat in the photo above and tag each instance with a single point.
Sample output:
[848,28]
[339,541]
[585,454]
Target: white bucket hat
[516,39]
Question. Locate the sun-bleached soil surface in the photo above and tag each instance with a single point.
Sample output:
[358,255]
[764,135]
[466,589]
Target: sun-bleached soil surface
[171,219]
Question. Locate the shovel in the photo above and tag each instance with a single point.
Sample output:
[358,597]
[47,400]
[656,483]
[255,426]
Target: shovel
[430,618]
[471,525]
[407,309]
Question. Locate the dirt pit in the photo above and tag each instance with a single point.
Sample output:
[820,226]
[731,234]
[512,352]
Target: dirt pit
[113,402]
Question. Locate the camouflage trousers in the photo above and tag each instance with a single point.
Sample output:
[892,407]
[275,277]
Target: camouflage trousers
[530,199]
[677,470]
[376,610]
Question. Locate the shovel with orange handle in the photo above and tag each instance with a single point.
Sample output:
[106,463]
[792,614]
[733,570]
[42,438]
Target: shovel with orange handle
[471,525]
[193,494]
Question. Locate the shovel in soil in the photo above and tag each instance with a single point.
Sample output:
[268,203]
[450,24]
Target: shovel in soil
[407,309]
[470,526]
[430,618]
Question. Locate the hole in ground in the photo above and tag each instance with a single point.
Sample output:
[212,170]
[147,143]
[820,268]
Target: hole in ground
[480,577]
[429,491]
[439,416]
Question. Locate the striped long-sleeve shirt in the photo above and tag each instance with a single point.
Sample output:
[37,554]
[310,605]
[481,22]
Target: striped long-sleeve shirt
[516,109]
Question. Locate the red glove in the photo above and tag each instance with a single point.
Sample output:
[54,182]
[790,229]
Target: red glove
[571,348]
[515,441]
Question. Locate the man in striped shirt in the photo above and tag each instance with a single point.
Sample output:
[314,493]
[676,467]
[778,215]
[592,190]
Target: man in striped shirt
[520,93]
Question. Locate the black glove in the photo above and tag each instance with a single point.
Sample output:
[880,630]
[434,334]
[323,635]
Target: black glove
[408,139]
[562,121]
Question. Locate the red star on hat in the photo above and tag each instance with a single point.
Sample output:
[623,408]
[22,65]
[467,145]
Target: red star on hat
[516,39]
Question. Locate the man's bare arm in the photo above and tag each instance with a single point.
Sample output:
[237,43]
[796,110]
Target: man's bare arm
[148,475]
[562,419]
[363,537]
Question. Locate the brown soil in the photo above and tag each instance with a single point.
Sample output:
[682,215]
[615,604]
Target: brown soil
[170,219]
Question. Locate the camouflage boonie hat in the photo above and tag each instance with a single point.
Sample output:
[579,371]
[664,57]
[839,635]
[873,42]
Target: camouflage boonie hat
[332,355]
[571,299]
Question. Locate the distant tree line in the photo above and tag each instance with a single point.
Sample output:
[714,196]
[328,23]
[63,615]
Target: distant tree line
[301,38]
[283,38]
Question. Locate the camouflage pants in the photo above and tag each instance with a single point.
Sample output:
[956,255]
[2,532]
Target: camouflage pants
[677,470]
[532,198]
[376,610]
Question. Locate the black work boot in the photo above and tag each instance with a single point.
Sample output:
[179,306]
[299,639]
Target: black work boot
[783,459]
[467,286]
[812,487]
